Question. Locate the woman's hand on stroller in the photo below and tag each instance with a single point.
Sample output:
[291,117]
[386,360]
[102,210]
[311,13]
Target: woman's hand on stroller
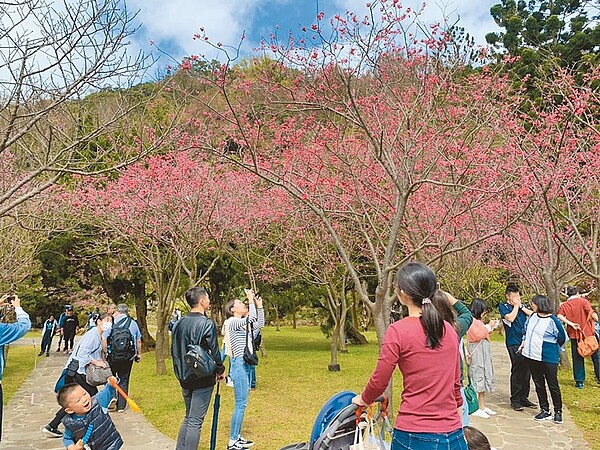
[357,400]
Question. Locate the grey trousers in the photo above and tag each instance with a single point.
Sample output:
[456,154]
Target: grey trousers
[196,406]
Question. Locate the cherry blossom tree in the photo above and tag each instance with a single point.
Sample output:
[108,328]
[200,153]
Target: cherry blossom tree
[166,210]
[369,130]
[563,149]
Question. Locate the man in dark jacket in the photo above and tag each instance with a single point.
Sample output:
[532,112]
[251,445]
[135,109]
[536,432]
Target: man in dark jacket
[197,329]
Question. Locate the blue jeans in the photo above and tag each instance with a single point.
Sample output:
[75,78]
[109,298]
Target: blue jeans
[196,405]
[239,373]
[404,440]
[579,363]
[252,376]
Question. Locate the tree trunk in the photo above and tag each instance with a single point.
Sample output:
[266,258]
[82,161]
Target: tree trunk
[334,365]
[141,308]
[343,310]
[356,337]
[293,314]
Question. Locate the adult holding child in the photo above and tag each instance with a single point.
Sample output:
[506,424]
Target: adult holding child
[237,333]
[425,349]
[479,355]
[87,351]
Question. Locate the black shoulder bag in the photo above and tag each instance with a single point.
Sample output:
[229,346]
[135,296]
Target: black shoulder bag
[250,356]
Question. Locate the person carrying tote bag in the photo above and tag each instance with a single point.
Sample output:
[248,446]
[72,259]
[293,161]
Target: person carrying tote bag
[87,351]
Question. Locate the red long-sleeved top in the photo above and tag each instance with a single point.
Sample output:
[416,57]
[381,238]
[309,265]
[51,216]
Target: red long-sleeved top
[431,378]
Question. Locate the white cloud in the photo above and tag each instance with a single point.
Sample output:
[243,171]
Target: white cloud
[172,24]
[474,15]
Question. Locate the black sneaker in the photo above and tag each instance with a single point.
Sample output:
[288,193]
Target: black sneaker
[245,442]
[52,432]
[544,415]
[40,353]
[517,407]
[236,446]
[558,417]
[528,404]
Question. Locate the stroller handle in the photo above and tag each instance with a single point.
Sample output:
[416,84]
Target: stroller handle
[359,410]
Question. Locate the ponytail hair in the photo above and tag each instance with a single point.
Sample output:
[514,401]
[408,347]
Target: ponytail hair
[420,284]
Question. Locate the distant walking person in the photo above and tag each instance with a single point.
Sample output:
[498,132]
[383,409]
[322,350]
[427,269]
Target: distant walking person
[578,315]
[544,336]
[514,315]
[69,328]
[60,321]
[10,332]
[195,329]
[49,329]
[124,346]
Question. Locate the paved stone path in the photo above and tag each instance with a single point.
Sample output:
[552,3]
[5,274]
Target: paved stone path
[516,430]
[34,405]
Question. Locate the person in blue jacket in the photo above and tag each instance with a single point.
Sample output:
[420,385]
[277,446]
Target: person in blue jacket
[544,335]
[10,332]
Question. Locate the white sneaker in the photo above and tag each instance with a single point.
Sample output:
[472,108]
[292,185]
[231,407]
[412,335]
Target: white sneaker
[489,412]
[481,413]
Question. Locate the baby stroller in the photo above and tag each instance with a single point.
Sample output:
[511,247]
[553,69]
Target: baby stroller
[336,425]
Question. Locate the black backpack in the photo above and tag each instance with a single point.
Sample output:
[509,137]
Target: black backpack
[200,362]
[120,345]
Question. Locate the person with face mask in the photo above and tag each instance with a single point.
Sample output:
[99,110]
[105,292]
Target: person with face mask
[87,351]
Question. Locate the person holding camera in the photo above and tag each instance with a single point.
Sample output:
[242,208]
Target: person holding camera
[195,329]
[10,332]
[238,318]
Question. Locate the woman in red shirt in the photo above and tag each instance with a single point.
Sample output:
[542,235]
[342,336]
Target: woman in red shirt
[425,349]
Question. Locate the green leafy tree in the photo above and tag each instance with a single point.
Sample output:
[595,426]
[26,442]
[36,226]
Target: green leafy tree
[541,36]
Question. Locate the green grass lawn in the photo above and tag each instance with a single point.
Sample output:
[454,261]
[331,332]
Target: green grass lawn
[293,383]
[583,404]
[20,362]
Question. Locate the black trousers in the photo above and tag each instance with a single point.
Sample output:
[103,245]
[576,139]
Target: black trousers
[520,376]
[546,373]
[69,338]
[122,370]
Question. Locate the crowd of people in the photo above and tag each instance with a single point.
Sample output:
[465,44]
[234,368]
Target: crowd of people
[438,345]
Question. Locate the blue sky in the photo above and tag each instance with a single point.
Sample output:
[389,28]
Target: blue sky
[171,24]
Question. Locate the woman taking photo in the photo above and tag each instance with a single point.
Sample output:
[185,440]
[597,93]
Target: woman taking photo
[238,318]
[425,349]
[544,335]
[87,351]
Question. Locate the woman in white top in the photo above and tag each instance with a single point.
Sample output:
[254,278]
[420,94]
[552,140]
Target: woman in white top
[238,318]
